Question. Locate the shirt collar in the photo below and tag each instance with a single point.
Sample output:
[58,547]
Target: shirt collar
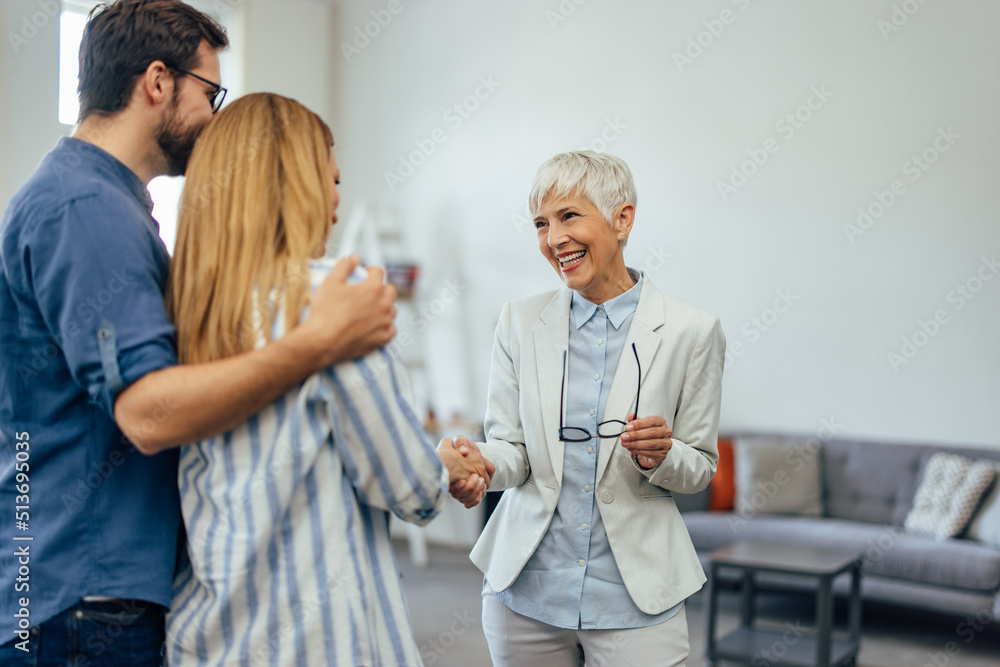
[617,309]
[115,167]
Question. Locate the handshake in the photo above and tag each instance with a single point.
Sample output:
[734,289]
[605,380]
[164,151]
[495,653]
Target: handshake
[469,472]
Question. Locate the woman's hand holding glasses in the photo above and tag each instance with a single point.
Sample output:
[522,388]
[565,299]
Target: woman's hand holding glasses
[648,438]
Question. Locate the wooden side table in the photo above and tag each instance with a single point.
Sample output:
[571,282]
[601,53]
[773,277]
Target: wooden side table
[819,646]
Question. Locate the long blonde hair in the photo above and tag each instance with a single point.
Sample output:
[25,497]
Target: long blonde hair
[256,207]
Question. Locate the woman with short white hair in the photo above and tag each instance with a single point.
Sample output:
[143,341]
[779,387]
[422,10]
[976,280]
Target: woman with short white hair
[603,401]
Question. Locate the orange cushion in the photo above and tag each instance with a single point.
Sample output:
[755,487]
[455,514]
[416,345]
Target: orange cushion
[722,489]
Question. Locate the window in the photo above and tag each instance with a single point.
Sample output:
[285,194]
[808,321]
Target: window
[71,23]
[165,191]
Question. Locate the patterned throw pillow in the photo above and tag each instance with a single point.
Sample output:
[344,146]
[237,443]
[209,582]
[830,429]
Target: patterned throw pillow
[985,525]
[950,491]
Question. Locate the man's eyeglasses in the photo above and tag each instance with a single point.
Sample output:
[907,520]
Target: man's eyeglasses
[218,92]
[611,428]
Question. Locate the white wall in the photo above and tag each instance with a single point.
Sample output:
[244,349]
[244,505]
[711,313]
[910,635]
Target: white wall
[681,132]
[29,83]
[279,47]
[4,66]
[561,83]
[288,51]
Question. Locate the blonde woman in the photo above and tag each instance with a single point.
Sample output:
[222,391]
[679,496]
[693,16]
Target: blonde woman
[286,515]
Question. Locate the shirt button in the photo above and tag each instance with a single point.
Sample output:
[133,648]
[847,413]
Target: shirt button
[592,413]
[79,613]
[590,450]
[600,340]
[582,562]
[597,376]
[587,488]
[583,526]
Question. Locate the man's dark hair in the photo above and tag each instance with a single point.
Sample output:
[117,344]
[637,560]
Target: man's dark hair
[122,38]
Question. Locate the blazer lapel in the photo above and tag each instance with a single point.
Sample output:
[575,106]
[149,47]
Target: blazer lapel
[551,340]
[648,318]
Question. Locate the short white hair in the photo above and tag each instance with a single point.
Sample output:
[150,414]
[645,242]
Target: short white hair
[602,178]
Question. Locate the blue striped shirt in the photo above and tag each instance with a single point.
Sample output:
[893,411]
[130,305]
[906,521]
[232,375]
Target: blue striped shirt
[287,524]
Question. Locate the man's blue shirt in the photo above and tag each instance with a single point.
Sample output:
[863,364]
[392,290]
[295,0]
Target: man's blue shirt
[82,278]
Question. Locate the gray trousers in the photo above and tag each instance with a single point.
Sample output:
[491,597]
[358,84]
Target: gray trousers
[519,641]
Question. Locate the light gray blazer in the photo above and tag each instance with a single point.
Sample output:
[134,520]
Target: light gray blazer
[681,351]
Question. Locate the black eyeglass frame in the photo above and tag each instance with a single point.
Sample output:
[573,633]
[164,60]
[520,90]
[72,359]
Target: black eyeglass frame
[563,437]
[219,94]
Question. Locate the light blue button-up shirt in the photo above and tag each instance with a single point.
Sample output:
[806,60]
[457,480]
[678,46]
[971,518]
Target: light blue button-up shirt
[572,580]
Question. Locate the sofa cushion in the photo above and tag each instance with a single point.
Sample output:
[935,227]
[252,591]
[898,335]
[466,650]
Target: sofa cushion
[886,550]
[710,531]
[870,482]
[950,491]
[985,525]
[876,481]
[776,475]
[722,488]
[954,563]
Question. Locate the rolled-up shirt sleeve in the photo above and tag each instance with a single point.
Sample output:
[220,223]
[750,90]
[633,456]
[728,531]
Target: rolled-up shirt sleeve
[99,277]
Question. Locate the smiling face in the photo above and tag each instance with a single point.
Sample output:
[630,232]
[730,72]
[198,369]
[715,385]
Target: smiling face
[583,248]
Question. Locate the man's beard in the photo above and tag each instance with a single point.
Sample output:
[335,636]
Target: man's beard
[175,141]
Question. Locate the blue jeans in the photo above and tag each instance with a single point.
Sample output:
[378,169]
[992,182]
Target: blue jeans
[129,633]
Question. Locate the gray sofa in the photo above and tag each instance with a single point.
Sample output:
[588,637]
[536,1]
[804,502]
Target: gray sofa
[867,491]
